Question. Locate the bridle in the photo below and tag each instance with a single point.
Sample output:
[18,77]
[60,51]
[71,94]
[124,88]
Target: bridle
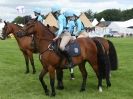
[5,31]
[48,40]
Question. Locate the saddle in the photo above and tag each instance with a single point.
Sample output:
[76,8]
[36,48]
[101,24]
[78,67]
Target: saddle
[72,48]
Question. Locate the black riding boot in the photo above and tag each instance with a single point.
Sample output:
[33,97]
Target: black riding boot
[69,59]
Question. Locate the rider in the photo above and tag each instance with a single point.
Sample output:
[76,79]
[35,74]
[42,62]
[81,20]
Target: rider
[63,32]
[70,23]
[80,31]
[37,12]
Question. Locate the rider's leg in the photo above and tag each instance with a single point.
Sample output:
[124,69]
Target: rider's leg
[83,34]
[66,37]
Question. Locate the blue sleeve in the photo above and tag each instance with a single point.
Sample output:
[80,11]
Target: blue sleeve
[60,25]
[68,26]
[72,26]
[79,27]
[40,19]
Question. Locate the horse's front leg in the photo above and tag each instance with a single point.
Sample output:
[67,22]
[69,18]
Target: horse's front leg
[71,73]
[30,54]
[42,74]
[27,62]
[51,71]
[59,74]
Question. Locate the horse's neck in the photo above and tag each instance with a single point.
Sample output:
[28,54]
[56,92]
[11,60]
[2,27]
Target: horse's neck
[15,30]
[43,38]
[41,43]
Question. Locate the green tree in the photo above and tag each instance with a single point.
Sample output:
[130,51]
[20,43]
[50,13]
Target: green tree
[127,14]
[89,14]
[18,20]
[21,20]
[109,15]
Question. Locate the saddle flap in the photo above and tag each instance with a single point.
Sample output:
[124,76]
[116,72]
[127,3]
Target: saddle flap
[73,48]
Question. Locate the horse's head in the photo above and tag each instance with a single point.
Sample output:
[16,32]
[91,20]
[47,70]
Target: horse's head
[7,29]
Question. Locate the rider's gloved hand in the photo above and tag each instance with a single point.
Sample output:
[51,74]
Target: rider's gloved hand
[55,38]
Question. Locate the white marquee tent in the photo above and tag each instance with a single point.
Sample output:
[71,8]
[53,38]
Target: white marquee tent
[95,22]
[102,19]
[121,27]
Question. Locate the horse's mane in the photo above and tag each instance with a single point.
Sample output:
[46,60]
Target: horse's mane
[45,28]
[27,18]
[18,26]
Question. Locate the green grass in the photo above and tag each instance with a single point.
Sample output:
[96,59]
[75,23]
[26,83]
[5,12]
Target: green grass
[14,84]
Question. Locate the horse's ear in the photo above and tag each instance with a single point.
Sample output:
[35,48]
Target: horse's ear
[5,22]
[48,26]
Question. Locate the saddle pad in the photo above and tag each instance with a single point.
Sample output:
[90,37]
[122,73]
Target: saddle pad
[73,49]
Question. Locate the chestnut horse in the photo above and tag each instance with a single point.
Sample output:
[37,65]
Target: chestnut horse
[24,43]
[90,51]
[110,50]
[107,44]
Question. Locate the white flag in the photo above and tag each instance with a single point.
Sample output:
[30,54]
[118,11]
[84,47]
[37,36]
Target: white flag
[20,9]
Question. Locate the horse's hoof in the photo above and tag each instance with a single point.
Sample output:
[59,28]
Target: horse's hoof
[53,94]
[60,87]
[47,93]
[109,85]
[34,72]
[82,89]
[72,77]
[26,72]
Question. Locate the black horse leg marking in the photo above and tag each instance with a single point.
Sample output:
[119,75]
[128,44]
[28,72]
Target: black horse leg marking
[52,81]
[51,71]
[59,74]
[32,63]
[84,75]
[42,74]
[107,70]
[100,83]
[27,62]
[30,55]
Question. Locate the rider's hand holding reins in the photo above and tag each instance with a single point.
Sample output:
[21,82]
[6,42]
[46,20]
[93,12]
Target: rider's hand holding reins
[55,38]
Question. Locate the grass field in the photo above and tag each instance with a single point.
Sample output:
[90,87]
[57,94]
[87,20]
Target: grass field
[14,84]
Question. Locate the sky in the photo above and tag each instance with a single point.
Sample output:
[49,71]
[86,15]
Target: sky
[8,7]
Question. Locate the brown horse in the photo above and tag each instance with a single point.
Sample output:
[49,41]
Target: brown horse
[107,44]
[51,61]
[24,43]
[110,50]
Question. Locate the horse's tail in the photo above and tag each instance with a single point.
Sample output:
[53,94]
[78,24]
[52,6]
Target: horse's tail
[113,56]
[103,60]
